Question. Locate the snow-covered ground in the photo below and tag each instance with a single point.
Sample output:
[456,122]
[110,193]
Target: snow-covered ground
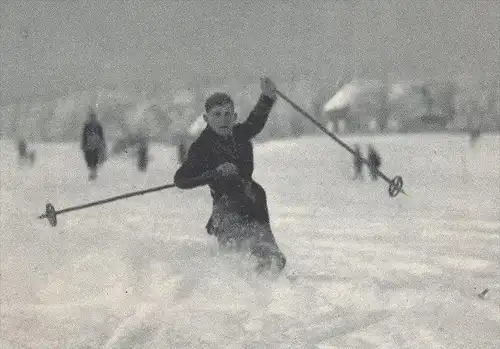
[370,271]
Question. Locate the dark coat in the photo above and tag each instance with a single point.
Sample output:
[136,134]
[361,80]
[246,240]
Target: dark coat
[92,136]
[211,150]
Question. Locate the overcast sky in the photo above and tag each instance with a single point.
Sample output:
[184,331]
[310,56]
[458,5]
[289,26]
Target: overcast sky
[75,45]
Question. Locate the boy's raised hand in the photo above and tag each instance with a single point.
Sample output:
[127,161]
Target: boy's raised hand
[268,87]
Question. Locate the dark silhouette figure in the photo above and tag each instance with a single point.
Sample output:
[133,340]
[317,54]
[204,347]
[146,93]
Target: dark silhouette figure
[358,163]
[142,154]
[474,135]
[374,161]
[22,148]
[93,144]
[25,155]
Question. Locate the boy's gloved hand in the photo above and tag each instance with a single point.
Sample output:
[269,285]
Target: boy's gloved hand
[268,87]
[226,170]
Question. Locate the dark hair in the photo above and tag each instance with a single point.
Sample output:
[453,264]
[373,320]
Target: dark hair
[216,99]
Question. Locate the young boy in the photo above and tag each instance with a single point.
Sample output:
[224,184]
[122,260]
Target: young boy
[222,158]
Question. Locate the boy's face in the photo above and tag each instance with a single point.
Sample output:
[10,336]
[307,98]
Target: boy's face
[221,119]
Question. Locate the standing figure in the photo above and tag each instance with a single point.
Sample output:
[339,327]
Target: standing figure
[374,162]
[24,154]
[93,144]
[142,153]
[22,148]
[222,158]
[358,163]
[473,136]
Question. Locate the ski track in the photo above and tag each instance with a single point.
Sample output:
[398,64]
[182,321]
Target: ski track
[364,270]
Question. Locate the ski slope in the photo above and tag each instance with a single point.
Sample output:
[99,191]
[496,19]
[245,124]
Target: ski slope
[367,271]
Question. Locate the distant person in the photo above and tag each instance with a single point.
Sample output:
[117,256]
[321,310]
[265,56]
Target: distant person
[358,163]
[24,154]
[93,144]
[142,153]
[22,148]
[474,135]
[139,142]
[374,161]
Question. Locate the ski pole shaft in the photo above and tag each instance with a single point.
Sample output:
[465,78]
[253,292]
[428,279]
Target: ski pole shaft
[111,199]
[51,213]
[395,184]
[321,127]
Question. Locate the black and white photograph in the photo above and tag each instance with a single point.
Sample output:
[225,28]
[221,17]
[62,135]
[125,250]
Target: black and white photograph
[251,174]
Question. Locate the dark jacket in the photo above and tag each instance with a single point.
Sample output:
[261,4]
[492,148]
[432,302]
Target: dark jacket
[211,150]
[92,136]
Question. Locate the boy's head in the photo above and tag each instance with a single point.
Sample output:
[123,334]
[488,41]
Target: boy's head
[219,113]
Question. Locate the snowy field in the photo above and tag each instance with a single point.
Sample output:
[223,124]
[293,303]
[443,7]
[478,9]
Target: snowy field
[365,270]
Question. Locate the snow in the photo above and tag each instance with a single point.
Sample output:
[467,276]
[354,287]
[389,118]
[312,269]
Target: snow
[366,270]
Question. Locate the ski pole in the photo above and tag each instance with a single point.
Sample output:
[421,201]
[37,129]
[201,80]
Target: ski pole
[395,184]
[51,213]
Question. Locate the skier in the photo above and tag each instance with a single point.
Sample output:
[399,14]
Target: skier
[358,163]
[474,136]
[22,148]
[374,162]
[93,144]
[24,154]
[142,153]
[222,158]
